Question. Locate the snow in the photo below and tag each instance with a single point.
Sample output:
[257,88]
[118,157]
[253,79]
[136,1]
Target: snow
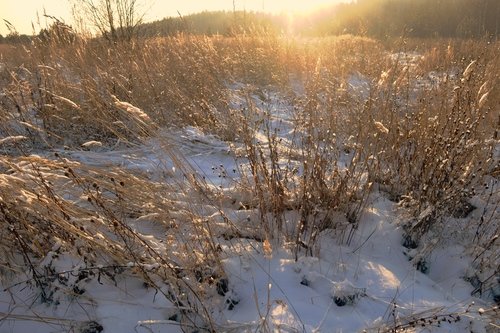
[367,285]
[340,288]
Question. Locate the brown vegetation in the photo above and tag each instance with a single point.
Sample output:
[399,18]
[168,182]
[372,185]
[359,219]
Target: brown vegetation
[425,140]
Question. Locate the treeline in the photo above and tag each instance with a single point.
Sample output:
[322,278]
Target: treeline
[416,18]
[213,23]
[374,18]
[57,32]
[15,38]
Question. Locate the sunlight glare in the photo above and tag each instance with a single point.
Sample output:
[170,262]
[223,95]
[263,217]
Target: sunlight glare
[23,16]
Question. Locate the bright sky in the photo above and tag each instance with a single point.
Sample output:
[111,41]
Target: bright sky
[22,13]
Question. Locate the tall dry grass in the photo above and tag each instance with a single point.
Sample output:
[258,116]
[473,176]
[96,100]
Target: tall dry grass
[362,116]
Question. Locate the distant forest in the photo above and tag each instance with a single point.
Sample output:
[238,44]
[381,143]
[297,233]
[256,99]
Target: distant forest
[373,18]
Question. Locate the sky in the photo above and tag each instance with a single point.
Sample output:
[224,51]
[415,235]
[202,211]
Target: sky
[23,13]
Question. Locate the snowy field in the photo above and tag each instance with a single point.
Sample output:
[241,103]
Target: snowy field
[366,278]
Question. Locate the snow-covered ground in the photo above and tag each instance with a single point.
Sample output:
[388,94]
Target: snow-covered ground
[368,285]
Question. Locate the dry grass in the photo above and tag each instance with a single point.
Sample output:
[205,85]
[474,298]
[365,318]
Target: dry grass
[427,143]
[52,206]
